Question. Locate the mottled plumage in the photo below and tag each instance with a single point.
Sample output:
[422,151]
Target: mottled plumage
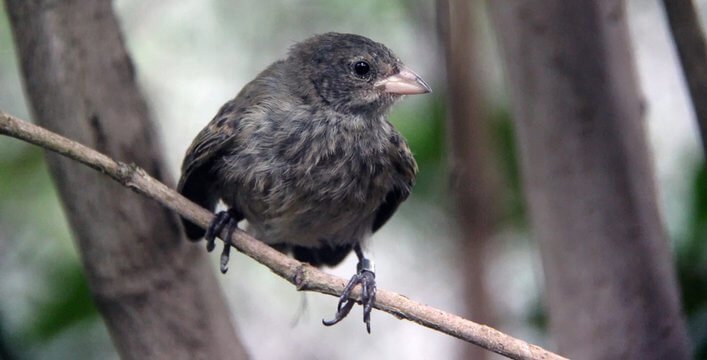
[305,152]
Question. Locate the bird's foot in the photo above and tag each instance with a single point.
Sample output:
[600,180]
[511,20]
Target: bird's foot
[367,278]
[223,219]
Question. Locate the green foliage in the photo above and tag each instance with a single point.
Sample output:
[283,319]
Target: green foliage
[7,352]
[692,249]
[23,184]
[692,263]
[26,189]
[70,303]
[423,128]
[506,152]
[537,315]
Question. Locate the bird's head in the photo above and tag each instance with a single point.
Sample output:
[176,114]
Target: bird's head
[351,73]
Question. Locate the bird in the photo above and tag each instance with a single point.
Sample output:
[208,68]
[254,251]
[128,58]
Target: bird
[306,155]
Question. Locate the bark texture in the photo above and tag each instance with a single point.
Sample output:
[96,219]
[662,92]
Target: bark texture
[156,292]
[610,282]
[474,178]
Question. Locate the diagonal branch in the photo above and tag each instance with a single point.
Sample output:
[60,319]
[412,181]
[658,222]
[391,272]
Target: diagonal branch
[303,276]
[691,47]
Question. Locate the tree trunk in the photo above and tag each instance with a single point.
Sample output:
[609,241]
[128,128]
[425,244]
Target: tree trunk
[156,292]
[474,177]
[610,283]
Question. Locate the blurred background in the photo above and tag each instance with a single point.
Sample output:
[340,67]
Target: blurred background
[192,56]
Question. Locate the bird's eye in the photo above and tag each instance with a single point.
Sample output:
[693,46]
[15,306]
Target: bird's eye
[362,68]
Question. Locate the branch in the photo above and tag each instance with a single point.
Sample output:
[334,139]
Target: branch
[303,276]
[691,47]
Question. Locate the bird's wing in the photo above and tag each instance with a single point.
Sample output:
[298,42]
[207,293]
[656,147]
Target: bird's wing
[210,141]
[388,207]
[407,169]
[221,135]
[197,180]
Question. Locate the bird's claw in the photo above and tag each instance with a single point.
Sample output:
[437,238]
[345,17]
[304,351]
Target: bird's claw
[367,278]
[215,228]
[222,219]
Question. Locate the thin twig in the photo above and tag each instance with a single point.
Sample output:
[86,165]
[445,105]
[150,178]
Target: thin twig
[691,47]
[303,276]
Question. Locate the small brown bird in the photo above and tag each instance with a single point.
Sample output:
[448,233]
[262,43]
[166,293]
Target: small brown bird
[306,155]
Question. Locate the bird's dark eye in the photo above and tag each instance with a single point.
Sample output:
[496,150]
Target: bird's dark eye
[362,68]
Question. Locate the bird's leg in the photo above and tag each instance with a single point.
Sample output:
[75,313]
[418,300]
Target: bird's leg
[228,218]
[365,275]
[215,228]
[232,225]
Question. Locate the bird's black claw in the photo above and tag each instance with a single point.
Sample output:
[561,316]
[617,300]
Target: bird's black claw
[232,225]
[368,296]
[367,278]
[221,220]
[224,258]
[215,228]
[345,305]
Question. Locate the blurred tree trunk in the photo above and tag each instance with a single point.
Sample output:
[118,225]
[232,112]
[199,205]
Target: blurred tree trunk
[610,284]
[692,50]
[157,293]
[473,172]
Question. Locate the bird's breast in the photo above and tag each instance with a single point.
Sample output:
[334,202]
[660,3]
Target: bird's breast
[321,182]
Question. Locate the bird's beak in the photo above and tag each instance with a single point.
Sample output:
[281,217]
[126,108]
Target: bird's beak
[405,82]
